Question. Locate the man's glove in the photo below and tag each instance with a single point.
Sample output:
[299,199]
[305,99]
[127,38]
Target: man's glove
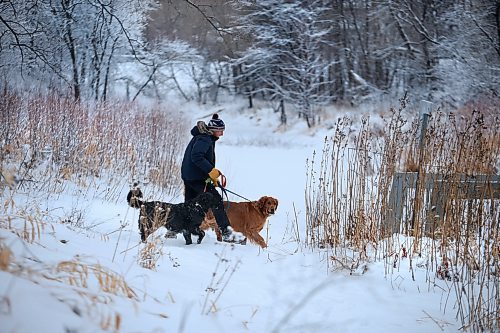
[214,174]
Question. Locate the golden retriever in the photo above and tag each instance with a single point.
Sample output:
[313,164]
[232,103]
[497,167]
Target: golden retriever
[245,217]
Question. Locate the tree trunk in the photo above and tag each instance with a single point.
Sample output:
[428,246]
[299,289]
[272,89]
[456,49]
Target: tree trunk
[70,43]
[283,113]
[108,66]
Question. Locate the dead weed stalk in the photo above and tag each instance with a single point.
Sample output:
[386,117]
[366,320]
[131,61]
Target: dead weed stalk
[445,206]
[49,140]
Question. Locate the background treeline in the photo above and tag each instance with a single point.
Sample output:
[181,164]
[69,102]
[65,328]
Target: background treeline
[302,54]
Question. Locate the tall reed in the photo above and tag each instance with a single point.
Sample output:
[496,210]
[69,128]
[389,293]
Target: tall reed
[48,139]
[448,206]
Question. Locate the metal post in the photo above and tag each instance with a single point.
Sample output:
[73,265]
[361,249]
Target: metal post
[423,128]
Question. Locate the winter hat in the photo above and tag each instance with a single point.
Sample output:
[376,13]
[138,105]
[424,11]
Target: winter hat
[216,124]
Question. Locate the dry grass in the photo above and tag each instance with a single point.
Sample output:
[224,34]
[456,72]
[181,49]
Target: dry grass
[76,273]
[150,253]
[50,139]
[348,201]
[6,257]
[49,144]
[89,289]
[221,277]
[26,225]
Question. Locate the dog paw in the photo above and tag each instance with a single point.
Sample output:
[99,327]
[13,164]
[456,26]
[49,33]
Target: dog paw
[170,234]
[200,237]
[231,236]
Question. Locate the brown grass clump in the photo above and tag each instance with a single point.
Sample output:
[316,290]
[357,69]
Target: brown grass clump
[111,322]
[49,139]
[76,273]
[27,225]
[447,203]
[150,253]
[6,257]
[74,282]
[47,145]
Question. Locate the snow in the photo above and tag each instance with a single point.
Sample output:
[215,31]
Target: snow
[212,286]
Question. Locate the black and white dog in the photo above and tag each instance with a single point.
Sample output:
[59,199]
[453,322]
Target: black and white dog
[184,218]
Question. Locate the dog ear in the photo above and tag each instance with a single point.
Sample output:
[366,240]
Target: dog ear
[262,202]
[134,197]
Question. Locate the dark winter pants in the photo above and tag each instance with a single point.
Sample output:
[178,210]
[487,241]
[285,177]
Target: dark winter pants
[194,188]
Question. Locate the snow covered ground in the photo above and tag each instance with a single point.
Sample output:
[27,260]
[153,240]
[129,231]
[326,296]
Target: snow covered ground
[84,276]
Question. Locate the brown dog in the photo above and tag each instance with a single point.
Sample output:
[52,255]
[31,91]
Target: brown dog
[245,217]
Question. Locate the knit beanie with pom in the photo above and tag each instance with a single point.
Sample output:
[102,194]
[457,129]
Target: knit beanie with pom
[216,124]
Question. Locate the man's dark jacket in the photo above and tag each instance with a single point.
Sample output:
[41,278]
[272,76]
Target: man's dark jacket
[199,157]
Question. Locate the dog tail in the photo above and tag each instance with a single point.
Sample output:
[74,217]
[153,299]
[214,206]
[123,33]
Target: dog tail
[134,197]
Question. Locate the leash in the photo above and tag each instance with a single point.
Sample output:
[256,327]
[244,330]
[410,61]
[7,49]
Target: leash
[236,194]
[222,185]
[225,190]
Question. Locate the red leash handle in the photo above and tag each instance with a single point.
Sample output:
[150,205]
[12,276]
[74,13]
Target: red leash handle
[223,180]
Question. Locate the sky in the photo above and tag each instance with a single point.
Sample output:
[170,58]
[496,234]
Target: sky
[86,277]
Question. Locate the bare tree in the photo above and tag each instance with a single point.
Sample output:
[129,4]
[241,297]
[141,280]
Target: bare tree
[301,53]
[286,62]
[19,35]
[70,43]
[170,60]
